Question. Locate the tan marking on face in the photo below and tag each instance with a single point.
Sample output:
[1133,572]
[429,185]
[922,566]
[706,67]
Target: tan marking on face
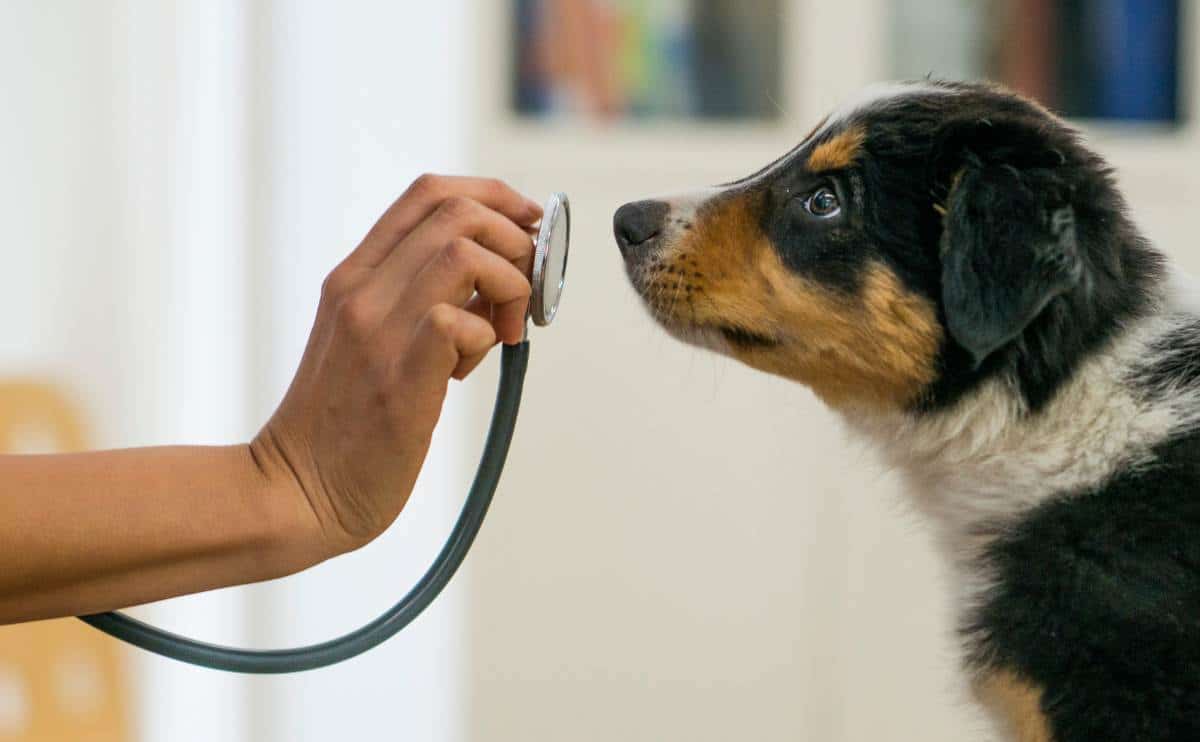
[1017,703]
[837,152]
[876,346]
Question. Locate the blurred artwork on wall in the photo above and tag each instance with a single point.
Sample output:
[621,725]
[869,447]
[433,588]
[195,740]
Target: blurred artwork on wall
[642,59]
[1102,60]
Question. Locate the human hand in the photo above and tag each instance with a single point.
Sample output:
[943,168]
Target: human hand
[439,279]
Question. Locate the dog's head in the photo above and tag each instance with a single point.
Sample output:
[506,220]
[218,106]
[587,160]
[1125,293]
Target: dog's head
[922,238]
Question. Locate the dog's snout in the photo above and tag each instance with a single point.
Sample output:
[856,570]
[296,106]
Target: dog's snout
[638,222]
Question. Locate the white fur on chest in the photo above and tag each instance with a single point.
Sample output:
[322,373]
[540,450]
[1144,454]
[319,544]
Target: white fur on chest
[986,461]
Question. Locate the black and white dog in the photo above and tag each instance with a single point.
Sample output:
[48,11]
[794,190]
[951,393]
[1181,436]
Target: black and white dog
[949,267]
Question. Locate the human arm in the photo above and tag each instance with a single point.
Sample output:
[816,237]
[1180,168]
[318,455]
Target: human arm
[434,285]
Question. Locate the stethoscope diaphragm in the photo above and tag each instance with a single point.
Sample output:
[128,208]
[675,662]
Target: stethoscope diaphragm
[550,259]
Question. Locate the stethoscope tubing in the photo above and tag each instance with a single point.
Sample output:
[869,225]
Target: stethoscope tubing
[513,363]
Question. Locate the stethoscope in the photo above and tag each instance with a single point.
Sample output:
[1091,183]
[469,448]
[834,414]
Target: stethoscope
[549,270]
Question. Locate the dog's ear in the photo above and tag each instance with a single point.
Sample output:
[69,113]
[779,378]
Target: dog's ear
[1008,244]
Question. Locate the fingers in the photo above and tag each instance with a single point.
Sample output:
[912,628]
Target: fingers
[464,269]
[427,194]
[448,343]
[467,364]
[480,307]
[455,217]
[443,273]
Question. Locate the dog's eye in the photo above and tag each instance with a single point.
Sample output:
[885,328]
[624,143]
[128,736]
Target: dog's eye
[823,202]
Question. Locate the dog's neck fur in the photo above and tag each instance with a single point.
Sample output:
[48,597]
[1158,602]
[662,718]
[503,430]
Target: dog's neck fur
[982,463]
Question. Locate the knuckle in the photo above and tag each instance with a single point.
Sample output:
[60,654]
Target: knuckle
[335,284]
[356,315]
[427,184]
[441,320]
[457,208]
[495,186]
[457,255]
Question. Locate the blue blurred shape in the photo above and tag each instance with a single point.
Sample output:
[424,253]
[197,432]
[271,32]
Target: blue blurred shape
[1135,47]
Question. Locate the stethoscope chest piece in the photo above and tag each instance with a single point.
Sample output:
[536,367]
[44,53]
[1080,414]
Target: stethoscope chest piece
[550,259]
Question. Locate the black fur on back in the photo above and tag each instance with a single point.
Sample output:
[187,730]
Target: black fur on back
[1097,602]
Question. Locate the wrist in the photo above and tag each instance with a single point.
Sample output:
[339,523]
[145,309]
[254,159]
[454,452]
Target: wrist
[293,537]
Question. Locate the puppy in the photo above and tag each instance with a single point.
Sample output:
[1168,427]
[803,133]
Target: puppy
[954,271]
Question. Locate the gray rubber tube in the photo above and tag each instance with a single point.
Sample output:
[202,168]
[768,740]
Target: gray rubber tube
[514,360]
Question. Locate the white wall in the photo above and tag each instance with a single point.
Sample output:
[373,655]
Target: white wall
[684,548]
[178,178]
[357,100]
[124,278]
[179,125]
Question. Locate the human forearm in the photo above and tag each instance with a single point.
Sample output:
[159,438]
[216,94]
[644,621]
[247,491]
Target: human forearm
[83,533]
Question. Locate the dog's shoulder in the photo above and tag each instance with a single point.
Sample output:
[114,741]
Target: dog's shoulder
[1094,596]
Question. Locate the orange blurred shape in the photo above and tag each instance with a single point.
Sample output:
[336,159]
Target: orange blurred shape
[59,680]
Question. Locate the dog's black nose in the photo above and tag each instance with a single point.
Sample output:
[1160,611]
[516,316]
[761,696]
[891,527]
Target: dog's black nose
[638,222]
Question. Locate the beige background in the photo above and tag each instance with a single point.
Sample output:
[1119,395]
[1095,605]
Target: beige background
[686,549]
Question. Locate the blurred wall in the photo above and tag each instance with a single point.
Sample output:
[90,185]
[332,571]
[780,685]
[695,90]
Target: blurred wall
[352,102]
[122,209]
[687,549]
[178,178]
[684,548]
[681,548]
